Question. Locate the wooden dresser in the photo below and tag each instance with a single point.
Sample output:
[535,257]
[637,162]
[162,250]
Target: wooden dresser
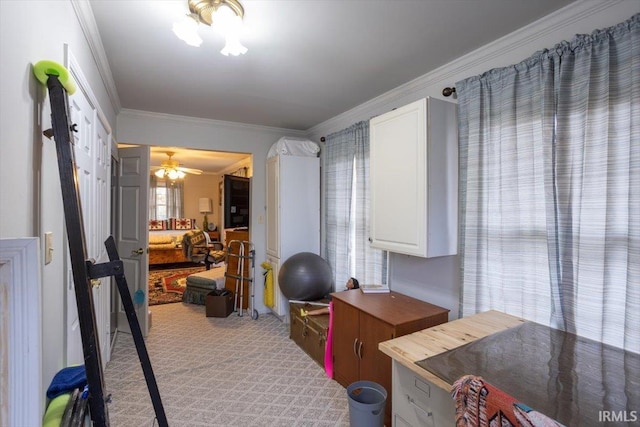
[362,321]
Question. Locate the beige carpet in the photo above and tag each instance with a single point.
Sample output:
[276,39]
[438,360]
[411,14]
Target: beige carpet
[222,372]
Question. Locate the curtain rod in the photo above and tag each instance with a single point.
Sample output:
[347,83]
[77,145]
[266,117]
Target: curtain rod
[448,91]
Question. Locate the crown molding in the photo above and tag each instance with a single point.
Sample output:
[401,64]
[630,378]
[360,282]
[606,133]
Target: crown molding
[568,15]
[90,29]
[197,121]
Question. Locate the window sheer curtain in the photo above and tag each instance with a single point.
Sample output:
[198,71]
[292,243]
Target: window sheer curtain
[166,199]
[346,178]
[550,177]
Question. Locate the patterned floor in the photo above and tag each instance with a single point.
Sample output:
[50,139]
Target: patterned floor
[223,372]
[157,293]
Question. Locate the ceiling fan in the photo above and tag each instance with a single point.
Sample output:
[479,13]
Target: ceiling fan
[172,169]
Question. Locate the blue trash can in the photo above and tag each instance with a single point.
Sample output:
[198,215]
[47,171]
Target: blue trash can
[366,404]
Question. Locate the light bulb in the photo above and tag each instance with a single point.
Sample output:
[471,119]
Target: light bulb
[225,20]
[227,23]
[187,30]
[173,174]
[180,174]
[160,173]
[233,47]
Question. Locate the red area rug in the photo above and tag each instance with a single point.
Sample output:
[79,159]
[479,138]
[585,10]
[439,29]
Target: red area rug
[167,286]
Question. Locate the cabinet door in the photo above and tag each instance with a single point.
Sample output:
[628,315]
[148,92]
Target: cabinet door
[374,364]
[399,180]
[346,363]
[273,206]
[414,179]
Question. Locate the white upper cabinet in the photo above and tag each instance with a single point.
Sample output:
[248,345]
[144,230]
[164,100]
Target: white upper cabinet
[414,179]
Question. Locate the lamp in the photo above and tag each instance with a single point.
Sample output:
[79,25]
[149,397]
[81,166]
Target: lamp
[225,15]
[204,206]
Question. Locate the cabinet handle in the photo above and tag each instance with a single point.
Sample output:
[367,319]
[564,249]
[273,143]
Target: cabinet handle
[360,350]
[355,342]
[413,402]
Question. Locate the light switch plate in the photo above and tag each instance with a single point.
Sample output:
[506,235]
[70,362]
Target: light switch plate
[48,247]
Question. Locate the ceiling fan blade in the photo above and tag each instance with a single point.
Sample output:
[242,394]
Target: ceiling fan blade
[190,170]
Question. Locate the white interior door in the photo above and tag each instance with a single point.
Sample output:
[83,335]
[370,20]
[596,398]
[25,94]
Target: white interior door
[102,217]
[80,113]
[133,239]
[273,206]
[92,159]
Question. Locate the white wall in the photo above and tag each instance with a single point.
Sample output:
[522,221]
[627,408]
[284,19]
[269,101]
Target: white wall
[30,197]
[437,280]
[137,127]
[195,187]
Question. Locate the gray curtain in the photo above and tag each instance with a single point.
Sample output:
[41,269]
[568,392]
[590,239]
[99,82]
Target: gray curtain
[550,171]
[346,179]
[504,165]
[597,166]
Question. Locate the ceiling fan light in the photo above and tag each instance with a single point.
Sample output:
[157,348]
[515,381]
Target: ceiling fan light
[173,174]
[180,174]
[187,30]
[159,173]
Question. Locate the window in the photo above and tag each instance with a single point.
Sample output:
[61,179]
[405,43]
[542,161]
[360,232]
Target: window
[346,176]
[166,199]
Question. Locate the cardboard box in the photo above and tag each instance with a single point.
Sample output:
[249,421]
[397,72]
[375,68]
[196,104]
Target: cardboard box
[217,305]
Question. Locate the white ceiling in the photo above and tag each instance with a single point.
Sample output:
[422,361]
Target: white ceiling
[308,60]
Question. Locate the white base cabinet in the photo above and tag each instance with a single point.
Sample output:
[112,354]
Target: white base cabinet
[417,402]
[414,179]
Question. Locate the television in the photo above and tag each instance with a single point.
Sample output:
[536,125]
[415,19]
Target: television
[236,198]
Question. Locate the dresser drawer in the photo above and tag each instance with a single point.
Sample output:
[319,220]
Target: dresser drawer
[417,402]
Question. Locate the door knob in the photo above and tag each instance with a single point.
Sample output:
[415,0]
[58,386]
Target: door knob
[138,251]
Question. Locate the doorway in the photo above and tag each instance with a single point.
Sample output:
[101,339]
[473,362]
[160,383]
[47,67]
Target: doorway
[204,172]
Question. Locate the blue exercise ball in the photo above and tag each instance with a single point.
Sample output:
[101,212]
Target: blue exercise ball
[305,276]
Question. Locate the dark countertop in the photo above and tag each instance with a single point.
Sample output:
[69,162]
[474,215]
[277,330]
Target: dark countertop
[566,377]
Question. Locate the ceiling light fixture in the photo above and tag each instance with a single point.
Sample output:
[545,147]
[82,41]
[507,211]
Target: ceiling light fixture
[171,169]
[224,15]
[170,173]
